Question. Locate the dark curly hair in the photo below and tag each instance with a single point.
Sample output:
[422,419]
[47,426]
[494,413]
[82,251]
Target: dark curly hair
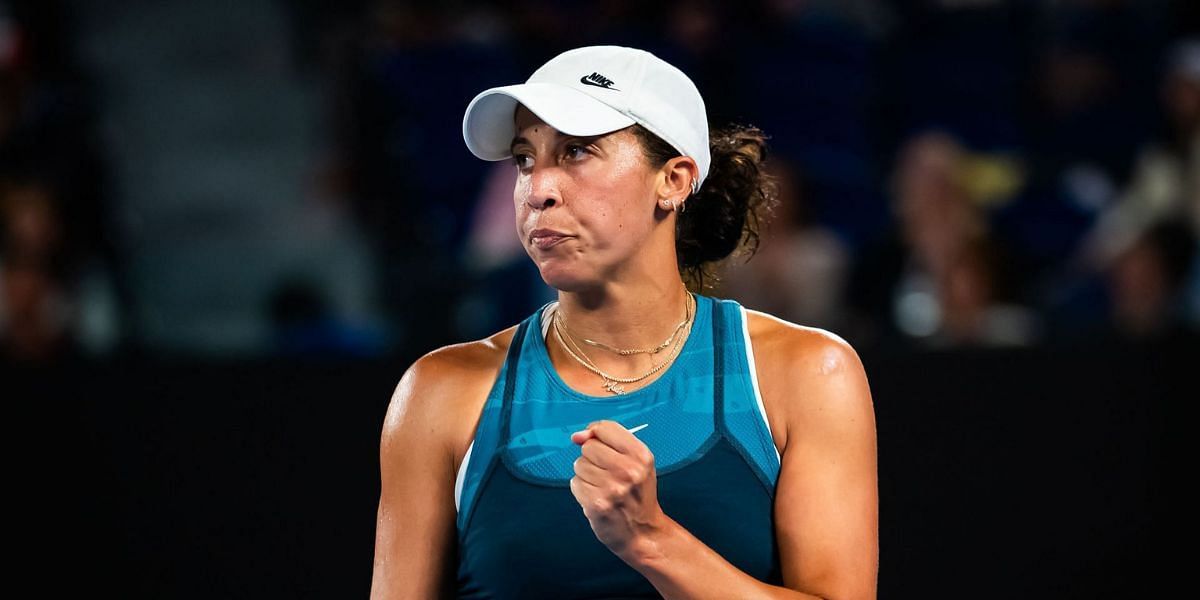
[727,212]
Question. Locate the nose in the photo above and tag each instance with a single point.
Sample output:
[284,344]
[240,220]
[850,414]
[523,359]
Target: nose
[544,190]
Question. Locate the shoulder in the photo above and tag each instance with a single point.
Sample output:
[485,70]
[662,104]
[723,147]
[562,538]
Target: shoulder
[442,393]
[812,377]
[446,369]
[799,345]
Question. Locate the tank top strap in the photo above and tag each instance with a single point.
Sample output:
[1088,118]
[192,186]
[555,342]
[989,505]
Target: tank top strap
[718,342]
[510,378]
[739,413]
[491,432]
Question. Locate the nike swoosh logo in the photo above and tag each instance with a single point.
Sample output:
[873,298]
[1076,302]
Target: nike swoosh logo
[584,80]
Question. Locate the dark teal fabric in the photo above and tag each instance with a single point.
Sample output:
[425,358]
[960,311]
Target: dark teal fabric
[521,532]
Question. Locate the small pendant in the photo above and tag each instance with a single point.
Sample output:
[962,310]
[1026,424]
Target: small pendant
[614,387]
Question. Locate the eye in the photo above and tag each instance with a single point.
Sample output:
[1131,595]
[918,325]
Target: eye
[576,151]
[520,161]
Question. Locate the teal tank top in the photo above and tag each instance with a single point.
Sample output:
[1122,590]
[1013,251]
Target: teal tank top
[521,534]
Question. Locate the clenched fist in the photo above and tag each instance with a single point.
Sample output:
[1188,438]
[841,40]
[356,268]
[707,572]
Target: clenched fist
[616,485]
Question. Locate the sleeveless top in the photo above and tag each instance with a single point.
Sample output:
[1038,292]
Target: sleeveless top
[522,534]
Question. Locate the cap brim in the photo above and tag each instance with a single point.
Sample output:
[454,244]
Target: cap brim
[488,126]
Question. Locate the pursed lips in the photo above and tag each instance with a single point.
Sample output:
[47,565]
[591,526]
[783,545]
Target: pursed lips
[547,238]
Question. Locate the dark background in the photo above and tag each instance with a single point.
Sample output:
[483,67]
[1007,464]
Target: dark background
[1050,473]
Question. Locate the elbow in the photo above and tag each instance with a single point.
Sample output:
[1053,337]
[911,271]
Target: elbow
[843,589]
[853,592]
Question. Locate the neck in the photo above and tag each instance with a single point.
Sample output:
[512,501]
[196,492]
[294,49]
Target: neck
[626,316]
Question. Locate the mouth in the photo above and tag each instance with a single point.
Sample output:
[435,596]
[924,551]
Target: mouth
[543,239]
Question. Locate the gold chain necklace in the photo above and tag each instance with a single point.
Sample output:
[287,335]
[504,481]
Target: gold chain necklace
[631,351]
[611,383]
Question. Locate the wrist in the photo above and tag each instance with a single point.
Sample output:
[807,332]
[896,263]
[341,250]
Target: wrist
[651,543]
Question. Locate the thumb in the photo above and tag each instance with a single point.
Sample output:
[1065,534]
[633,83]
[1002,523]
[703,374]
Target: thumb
[579,437]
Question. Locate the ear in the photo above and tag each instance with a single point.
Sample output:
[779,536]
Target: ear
[675,180]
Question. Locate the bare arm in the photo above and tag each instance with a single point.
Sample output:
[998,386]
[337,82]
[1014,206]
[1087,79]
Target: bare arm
[827,500]
[826,505]
[429,423]
[415,523]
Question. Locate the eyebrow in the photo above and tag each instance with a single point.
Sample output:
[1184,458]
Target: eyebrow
[516,140]
[558,134]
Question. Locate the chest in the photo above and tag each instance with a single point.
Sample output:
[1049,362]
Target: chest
[529,540]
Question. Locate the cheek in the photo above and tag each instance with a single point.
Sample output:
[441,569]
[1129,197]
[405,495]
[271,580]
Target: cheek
[520,205]
[621,194]
[522,190]
[628,177]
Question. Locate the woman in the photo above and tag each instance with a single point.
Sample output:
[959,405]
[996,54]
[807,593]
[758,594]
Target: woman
[632,439]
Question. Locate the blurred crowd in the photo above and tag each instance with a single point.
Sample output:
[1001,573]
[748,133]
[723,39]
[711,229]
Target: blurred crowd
[59,258]
[952,172]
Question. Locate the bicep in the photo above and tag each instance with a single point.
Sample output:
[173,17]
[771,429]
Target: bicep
[827,501]
[414,533]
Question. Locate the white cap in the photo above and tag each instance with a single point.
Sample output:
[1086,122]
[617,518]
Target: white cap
[595,90]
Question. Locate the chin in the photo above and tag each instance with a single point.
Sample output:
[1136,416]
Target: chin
[565,278]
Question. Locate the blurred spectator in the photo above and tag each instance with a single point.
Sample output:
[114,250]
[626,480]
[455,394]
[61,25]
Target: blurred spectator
[35,312]
[971,306]
[940,278]
[1146,281]
[1088,107]
[799,270]
[1166,178]
[55,237]
[1069,88]
[31,219]
[1128,245]
[35,317]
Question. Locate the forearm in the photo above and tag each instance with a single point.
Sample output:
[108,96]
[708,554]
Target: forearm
[680,566]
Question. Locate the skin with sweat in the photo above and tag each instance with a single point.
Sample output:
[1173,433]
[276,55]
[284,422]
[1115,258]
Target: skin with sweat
[589,212]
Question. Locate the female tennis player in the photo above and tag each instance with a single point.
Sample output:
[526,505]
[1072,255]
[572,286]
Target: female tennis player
[633,439]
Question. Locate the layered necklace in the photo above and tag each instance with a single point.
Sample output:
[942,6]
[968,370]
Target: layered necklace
[616,385]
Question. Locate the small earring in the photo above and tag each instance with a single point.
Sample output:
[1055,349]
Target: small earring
[695,187]
[665,203]
[673,207]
